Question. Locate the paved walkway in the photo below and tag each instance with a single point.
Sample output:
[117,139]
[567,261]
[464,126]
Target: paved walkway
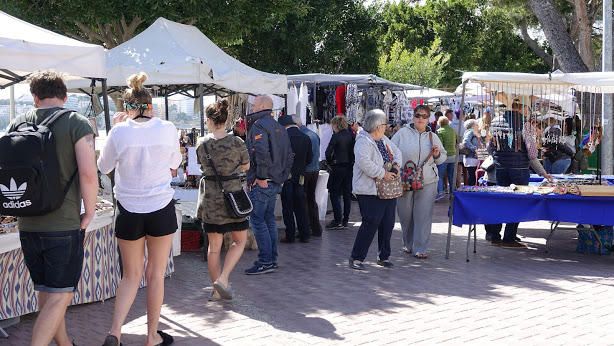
[502,296]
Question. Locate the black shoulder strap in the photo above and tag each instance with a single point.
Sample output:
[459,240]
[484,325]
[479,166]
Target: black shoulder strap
[55,116]
[208,157]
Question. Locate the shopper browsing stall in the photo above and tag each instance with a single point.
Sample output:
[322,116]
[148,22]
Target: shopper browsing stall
[340,157]
[142,150]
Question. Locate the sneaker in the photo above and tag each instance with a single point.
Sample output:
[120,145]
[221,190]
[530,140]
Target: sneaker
[406,250]
[385,263]
[513,245]
[439,197]
[275,266]
[260,269]
[345,224]
[356,264]
[334,225]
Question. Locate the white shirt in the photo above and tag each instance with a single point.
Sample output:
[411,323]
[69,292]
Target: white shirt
[142,154]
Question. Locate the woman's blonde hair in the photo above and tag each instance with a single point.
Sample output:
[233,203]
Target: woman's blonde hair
[339,122]
[443,121]
[136,93]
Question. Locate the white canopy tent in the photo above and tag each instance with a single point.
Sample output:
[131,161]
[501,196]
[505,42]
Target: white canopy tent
[361,80]
[427,93]
[177,54]
[25,48]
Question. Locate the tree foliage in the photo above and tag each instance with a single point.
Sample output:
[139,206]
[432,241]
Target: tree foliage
[420,67]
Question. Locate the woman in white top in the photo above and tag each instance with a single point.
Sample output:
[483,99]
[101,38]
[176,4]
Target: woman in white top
[143,150]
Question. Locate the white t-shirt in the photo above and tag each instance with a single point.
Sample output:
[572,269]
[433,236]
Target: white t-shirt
[142,154]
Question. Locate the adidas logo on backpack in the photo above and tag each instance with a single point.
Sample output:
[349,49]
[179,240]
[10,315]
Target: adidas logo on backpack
[28,156]
[14,193]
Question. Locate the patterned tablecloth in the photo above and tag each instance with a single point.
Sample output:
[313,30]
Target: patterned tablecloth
[99,279]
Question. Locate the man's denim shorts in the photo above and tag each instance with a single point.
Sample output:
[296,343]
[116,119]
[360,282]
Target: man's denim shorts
[54,259]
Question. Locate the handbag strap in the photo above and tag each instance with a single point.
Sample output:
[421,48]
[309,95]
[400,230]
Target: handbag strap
[431,153]
[208,157]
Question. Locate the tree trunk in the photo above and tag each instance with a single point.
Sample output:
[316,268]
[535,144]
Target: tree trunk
[585,30]
[558,37]
[534,45]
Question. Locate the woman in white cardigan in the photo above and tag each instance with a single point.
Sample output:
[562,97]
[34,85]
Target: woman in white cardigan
[415,208]
[371,151]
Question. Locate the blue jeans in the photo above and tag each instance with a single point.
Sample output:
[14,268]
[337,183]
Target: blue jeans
[506,177]
[558,166]
[262,221]
[446,169]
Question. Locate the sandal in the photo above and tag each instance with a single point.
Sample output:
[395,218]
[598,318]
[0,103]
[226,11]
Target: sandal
[224,291]
[166,339]
[420,255]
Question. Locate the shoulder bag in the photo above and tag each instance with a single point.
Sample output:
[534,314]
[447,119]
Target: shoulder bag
[238,202]
[389,189]
[412,175]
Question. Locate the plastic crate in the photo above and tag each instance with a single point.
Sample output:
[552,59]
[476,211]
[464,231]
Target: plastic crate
[588,242]
[190,240]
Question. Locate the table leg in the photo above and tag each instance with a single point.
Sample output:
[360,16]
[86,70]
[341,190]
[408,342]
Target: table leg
[469,240]
[3,334]
[475,239]
[553,227]
[598,239]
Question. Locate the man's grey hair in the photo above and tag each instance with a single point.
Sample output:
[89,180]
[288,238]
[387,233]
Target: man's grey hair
[469,124]
[373,119]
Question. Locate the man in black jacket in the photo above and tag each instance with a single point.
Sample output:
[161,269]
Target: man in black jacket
[293,192]
[270,162]
[340,158]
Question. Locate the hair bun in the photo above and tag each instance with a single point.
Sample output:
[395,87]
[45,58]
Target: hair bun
[222,106]
[137,80]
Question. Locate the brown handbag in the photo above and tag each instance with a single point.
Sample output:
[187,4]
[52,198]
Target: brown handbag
[389,189]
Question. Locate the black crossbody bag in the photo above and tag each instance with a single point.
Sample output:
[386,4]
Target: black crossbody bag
[238,202]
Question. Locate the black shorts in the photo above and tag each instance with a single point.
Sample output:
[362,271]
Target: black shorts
[133,226]
[54,259]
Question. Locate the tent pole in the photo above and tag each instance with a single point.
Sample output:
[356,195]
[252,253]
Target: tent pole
[105,104]
[458,139]
[166,104]
[202,113]
[607,143]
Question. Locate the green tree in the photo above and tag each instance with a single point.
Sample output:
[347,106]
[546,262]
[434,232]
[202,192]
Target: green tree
[419,67]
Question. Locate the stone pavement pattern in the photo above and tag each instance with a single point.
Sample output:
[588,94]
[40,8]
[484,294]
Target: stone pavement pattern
[501,297]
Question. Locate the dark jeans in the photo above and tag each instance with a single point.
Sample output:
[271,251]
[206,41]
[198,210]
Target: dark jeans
[471,176]
[340,185]
[313,214]
[262,220]
[293,206]
[378,215]
[54,259]
[506,177]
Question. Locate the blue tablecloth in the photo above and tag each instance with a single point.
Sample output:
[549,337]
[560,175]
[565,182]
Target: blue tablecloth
[478,208]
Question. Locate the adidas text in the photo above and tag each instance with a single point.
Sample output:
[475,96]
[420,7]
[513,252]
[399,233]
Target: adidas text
[16,205]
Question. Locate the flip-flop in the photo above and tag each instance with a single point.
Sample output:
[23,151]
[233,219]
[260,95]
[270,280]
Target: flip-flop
[224,291]
[166,339]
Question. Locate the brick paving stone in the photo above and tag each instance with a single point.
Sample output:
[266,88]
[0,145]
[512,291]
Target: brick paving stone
[501,297]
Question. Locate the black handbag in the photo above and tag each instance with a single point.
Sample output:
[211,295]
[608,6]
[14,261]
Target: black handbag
[237,202]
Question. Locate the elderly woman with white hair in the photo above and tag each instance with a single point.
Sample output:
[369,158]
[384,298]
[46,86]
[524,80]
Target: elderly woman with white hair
[471,143]
[372,151]
[415,208]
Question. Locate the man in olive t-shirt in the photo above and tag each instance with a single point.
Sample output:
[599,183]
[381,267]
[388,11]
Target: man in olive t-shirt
[52,244]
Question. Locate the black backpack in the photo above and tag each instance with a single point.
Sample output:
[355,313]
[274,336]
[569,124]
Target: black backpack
[30,183]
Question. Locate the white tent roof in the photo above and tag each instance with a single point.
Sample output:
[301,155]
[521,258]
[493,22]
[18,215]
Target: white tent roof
[427,93]
[595,82]
[175,54]
[25,48]
[362,80]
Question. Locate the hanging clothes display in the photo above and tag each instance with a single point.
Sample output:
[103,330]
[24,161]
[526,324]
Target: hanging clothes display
[237,108]
[340,93]
[387,104]
[303,100]
[372,99]
[320,102]
[403,111]
[352,102]
[292,100]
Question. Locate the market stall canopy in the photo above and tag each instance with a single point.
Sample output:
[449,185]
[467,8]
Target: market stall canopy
[427,93]
[25,48]
[177,54]
[361,80]
[526,83]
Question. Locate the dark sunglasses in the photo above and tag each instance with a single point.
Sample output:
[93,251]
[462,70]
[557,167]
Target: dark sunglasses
[422,115]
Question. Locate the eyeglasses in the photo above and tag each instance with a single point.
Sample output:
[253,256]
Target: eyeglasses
[422,115]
